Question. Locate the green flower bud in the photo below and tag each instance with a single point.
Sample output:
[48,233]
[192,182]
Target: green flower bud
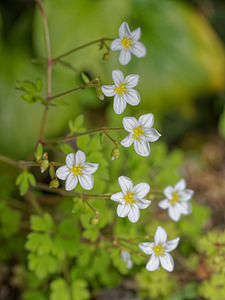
[94,220]
[85,78]
[99,93]
[54,183]
[39,152]
[44,165]
[106,56]
[115,153]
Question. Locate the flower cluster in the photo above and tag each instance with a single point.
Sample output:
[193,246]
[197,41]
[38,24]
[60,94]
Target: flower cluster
[132,198]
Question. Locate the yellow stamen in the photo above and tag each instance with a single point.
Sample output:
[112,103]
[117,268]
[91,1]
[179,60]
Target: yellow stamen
[159,250]
[129,198]
[126,42]
[121,89]
[175,199]
[76,170]
[138,132]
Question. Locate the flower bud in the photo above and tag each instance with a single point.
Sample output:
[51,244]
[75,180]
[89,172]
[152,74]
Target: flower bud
[94,220]
[115,153]
[85,78]
[44,165]
[54,183]
[99,93]
[106,56]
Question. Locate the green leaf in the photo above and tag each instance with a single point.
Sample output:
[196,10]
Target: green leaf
[41,223]
[66,149]
[80,290]
[59,290]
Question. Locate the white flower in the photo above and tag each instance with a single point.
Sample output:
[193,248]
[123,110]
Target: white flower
[159,251]
[122,90]
[128,43]
[177,200]
[140,133]
[131,198]
[76,169]
[125,256]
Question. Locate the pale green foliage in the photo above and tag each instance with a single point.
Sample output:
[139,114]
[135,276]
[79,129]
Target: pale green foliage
[23,180]
[155,285]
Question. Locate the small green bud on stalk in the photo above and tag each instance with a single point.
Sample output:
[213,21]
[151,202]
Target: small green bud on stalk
[39,152]
[54,183]
[94,220]
[115,153]
[106,56]
[44,165]
[99,93]
[85,78]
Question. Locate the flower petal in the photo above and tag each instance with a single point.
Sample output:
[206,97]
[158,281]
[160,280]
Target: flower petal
[132,97]
[141,189]
[151,134]
[71,182]
[167,262]
[185,195]
[90,168]
[119,105]
[129,123]
[142,147]
[138,49]
[117,77]
[108,90]
[122,210]
[127,141]
[168,191]
[147,248]
[80,158]
[160,235]
[180,185]
[132,80]
[117,197]
[142,203]
[186,208]
[174,212]
[86,181]
[124,57]
[125,183]
[172,244]
[115,45]
[124,30]
[70,160]
[146,120]
[164,204]
[136,34]
[134,213]
[153,263]
[62,172]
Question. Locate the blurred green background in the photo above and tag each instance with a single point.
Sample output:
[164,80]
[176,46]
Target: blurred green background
[181,78]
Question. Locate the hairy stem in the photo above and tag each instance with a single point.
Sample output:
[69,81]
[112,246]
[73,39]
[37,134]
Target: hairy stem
[49,70]
[71,137]
[63,192]
[102,40]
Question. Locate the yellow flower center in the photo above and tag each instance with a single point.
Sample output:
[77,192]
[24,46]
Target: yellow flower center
[121,89]
[159,250]
[76,170]
[138,132]
[175,199]
[129,198]
[126,42]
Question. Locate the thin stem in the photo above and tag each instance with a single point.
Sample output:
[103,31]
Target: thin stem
[71,137]
[64,193]
[49,70]
[91,208]
[9,161]
[82,87]
[30,198]
[109,137]
[102,40]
